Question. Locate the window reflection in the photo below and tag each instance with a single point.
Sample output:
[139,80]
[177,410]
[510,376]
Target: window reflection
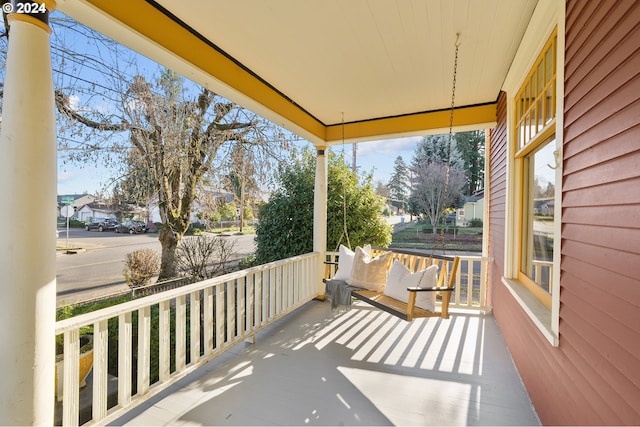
[540,221]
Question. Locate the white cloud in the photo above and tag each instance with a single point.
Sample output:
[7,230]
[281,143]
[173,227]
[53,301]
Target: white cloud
[389,146]
[74,102]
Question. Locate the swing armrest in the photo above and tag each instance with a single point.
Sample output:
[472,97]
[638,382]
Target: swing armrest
[433,289]
[327,269]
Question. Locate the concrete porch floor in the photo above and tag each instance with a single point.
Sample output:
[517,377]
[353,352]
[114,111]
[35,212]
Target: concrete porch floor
[362,367]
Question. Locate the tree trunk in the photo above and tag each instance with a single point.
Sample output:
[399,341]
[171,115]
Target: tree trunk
[169,241]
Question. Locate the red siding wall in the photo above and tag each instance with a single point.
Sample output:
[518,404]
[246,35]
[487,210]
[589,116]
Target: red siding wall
[593,377]
[497,184]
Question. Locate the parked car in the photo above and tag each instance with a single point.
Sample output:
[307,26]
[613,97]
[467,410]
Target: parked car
[131,227]
[101,224]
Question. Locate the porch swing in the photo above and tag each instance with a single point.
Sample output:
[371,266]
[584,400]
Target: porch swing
[413,281]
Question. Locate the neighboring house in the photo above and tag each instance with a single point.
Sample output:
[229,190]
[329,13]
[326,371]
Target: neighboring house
[79,200]
[94,210]
[201,204]
[473,208]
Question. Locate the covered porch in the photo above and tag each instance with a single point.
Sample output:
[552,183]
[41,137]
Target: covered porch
[362,367]
[263,350]
[337,72]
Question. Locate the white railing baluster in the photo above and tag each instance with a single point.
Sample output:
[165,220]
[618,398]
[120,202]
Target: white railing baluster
[100,368]
[288,279]
[208,319]
[271,290]
[144,349]
[241,307]
[70,378]
[194,323]
[220,309]
[231,310]
[181,333]
[164,328]
[258,300]
[469,282]
[125,332]
[483,283]
[278,291]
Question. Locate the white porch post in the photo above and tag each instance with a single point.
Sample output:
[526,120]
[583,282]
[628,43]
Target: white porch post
[320,214]
[28,215]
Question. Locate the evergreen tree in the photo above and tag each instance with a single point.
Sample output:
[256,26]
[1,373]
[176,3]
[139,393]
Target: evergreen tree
[471,147]
[399,184]
[433,148]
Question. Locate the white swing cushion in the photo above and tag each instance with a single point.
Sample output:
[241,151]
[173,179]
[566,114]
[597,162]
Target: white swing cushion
[345,262]
[369,273]
[400,278]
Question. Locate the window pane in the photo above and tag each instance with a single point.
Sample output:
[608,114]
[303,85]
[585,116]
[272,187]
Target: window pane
[548,61]
[549,105]
[532,122]
[539,115]
[533,88]
[540,75]
[539,219]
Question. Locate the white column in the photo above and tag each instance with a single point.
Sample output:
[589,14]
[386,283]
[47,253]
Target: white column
[320,214]
[28,218]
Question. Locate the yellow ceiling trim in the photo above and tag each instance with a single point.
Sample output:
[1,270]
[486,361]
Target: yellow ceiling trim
[172,36]
[412,123]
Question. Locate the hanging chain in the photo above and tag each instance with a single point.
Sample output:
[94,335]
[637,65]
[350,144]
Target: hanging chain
[345,232]
[448,170]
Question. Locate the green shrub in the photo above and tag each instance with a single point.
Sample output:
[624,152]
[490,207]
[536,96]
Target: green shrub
[247,262]
[475,222]
[74,223]
[140,266]
[285,226]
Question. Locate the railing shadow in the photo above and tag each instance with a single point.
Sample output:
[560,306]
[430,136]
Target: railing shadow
[361,367]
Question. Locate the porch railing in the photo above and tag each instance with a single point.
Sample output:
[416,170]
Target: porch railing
[471,278]
[134,353]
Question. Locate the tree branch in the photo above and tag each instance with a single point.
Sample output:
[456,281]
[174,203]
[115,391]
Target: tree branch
[62,103]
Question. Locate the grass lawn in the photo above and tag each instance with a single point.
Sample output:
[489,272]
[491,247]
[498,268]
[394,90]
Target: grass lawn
[247,229]
[419,236]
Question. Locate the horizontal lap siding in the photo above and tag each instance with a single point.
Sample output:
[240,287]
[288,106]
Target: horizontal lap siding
[600,286]
[497,184]
[593,377]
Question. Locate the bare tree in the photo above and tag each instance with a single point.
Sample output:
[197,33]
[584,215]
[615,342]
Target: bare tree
[177,139]
[204,256]
[431,194]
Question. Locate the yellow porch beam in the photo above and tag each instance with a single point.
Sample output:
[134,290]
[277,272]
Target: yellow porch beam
[480,116]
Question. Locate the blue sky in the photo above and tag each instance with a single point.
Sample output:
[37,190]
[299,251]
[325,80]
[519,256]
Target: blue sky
[378,156]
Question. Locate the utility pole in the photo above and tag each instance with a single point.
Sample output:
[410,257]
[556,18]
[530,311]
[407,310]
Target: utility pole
[354,166]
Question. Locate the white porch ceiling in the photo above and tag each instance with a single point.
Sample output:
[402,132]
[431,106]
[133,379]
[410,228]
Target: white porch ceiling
[367,59]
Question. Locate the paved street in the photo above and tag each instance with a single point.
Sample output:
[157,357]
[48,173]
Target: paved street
[96,269]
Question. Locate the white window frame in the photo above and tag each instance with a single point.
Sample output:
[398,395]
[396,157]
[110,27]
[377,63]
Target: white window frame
[548,15]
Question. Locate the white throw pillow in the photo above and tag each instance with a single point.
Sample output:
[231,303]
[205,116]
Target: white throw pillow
[369,273]
[345,262]
[400,278]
